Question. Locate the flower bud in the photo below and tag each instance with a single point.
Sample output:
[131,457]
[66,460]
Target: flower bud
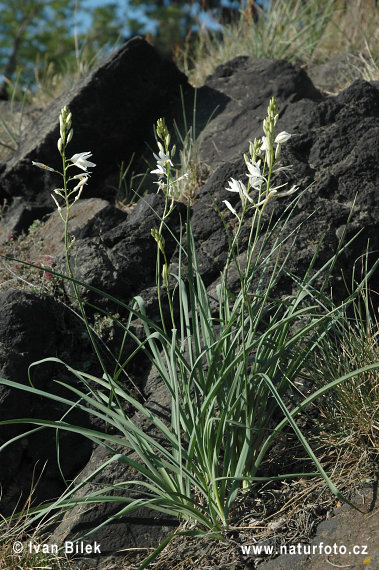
[43,166]
[56,203]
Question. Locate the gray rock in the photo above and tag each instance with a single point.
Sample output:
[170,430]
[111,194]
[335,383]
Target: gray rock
[142,526]
[17,217]
[244,87]
[349,539]
[34,327]
[337,73]
[113,108]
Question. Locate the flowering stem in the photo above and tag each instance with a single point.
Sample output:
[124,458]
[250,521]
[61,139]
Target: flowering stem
[70,196]
[166,184]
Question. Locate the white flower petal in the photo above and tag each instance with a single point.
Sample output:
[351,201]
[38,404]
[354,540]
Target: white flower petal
[264,144]
[81,183]
[80,160]
[254,169]
[159,170]
[230,207]
[293,189]
[56,203]
[233,186]
[245,193]
[282,137]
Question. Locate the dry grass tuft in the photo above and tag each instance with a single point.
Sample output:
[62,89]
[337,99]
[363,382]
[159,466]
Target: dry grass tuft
[294,30]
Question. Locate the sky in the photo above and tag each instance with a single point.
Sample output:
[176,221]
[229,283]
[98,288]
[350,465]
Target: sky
[124,8]
[139,12]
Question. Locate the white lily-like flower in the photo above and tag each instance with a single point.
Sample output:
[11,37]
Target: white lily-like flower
[264,144]
[292,190]
[282,137]
[43,166]
[230,207]
[83,180]
[255,177]
[238,187]
[254,169]
[163,158]
[161,185]
[80,160]
[160,170]
[80,176]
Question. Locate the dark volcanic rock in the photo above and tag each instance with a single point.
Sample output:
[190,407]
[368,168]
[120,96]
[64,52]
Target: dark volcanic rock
[335,150]
[33,327]
[113,108]
[246,85]
[121,260]
[19,216]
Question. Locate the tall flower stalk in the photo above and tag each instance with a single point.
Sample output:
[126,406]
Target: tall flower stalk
[167,184]
[66,197]
[261,164]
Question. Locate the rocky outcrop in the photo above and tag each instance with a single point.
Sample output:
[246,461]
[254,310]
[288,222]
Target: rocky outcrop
[113,107]
[334,158]
[34,327]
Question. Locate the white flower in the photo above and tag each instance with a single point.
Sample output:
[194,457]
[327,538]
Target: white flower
[255,177]
[160,170]
[161,185]
[163,158]
[264,144]
[230,207]
[293,189]
[239,187]
[83,180]
[80,176]
[78,195]
[282,137]
[254,170]
[80,160]
[275,194]
[56,203]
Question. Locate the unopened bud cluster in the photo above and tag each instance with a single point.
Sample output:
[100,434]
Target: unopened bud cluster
[66,132]
[165,167]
